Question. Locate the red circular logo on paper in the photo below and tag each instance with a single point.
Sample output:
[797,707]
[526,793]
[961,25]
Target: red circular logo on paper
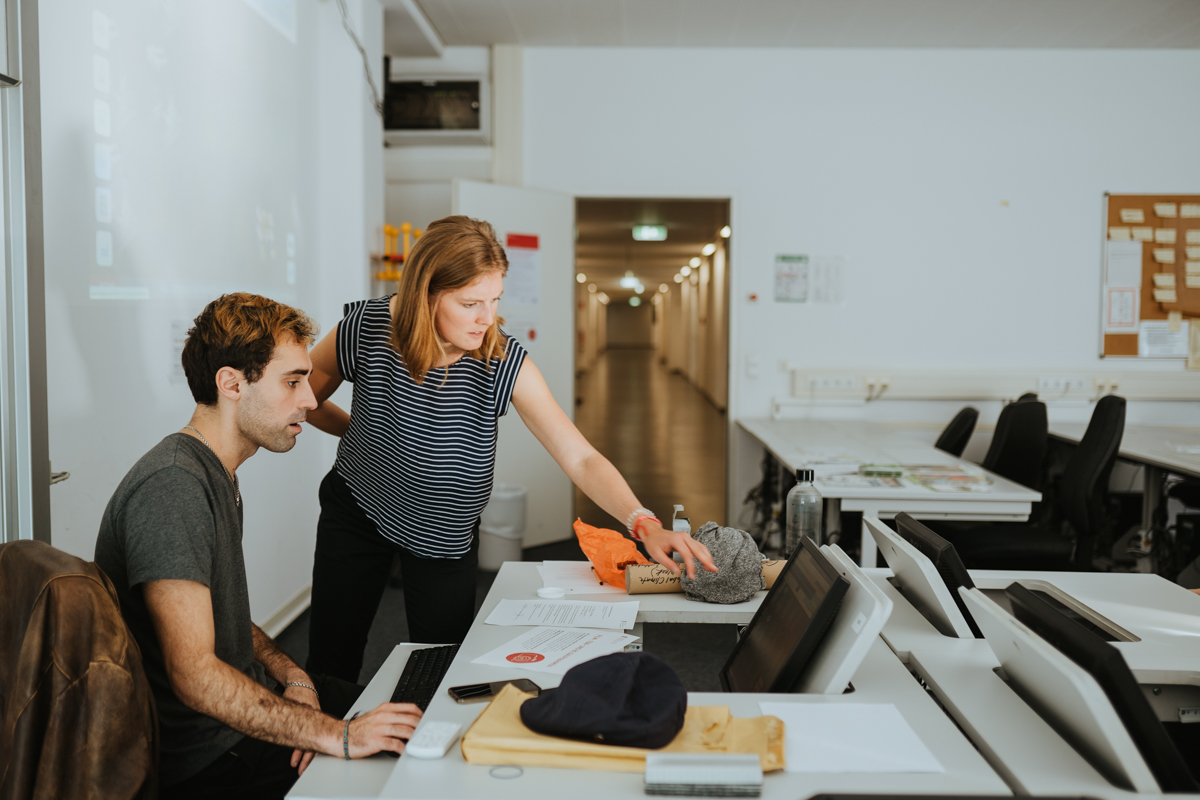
[525,658]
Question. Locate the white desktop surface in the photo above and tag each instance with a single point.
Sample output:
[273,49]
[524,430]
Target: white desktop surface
[796,442]
[881,678]
[520,580]
[1014,739]
[1164,616]
[1162,446]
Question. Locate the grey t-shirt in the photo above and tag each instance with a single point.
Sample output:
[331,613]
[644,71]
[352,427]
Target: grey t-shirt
[174,516]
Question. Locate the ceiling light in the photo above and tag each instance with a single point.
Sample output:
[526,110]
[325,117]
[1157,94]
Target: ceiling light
[678,278]
[581,278]
[725,232]
[709,249]
[695,262]
[639,288]
[591,287]
[603,298]
[662,287]
[685,271]
[649,233]
[635,301]
[629,282]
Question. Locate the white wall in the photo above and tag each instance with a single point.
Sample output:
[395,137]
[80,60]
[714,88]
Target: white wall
[233,115]
[897,160]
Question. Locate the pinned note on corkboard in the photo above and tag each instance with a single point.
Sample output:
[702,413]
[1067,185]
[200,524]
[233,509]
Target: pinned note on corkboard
[1151,278]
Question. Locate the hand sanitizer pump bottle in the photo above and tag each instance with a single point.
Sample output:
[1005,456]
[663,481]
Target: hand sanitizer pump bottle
[803,512]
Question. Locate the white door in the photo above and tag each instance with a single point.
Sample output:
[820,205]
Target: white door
[537,230]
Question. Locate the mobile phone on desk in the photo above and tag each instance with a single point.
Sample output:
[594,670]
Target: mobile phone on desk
[477,692]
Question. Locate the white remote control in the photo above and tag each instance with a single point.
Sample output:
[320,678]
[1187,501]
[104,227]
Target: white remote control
[432,739]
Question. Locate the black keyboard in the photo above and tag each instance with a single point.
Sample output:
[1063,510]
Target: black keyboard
[422,674]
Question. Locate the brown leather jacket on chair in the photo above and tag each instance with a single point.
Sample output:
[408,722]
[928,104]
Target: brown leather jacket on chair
[76,711]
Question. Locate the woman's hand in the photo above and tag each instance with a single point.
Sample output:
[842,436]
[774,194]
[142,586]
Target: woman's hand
[660,543]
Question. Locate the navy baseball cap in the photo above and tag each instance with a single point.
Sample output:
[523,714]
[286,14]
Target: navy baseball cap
[627,699]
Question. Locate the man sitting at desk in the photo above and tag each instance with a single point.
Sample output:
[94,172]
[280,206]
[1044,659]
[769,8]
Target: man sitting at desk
[171,541]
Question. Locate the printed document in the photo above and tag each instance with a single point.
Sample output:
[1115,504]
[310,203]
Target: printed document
[565,614]
[850,737]
[555,650]
[576,577]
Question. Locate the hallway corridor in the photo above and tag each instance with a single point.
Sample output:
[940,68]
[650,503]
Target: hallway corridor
[665,437]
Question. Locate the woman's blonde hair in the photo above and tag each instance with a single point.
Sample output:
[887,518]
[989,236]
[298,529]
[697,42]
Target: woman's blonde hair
[453,252]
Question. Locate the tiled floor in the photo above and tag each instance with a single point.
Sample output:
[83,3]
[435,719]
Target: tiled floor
[669,443]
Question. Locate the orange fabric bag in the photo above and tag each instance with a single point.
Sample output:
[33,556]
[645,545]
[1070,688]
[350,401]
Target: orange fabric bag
[609,552]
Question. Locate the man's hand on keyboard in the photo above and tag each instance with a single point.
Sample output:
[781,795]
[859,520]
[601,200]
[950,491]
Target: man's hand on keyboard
[385,728]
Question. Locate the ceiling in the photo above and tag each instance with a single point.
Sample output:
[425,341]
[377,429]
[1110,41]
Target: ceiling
[605,248]
[818,23]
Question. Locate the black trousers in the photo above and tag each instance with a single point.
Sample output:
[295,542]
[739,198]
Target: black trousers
[254,769]
[350,571]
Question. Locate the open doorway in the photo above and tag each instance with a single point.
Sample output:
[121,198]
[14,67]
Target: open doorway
[652,349]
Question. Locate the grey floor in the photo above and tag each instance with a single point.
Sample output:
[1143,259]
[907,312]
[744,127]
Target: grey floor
[669,443]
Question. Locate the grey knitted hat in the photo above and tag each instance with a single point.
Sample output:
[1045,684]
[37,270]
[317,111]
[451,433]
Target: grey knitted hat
[738,560]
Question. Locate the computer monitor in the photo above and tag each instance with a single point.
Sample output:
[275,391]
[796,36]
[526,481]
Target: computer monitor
[1104,663]
[918,580]
[774,652]
[1062,693]
[945,560]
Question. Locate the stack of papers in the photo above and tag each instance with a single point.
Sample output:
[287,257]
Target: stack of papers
[576,577]
[555,650]
[565,614]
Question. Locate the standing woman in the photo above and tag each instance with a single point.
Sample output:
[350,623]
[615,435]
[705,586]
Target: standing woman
[432,375]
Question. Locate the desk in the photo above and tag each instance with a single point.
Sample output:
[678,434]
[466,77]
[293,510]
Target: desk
[797,443]
[1161,450]
[881,678]
[1025,750]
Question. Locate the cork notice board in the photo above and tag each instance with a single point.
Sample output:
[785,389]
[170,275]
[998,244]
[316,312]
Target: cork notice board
[1151,274]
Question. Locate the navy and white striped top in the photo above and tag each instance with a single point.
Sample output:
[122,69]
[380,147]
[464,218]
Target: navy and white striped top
[419,458]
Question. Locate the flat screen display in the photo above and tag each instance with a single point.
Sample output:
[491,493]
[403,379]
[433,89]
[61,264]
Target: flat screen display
[780,641]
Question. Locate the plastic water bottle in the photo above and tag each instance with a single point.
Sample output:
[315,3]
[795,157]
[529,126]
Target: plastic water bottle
[803,512]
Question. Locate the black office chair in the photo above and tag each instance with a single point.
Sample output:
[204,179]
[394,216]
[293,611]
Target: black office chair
[1019,443]
[1081,501]
[955,436]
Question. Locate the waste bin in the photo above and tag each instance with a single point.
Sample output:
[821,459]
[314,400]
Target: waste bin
[502,526]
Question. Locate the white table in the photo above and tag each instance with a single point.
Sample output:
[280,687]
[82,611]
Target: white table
[1161,450]
[813,443]
[1021,746]
[882,678]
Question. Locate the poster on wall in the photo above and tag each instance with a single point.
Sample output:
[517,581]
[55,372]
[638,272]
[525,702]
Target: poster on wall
[791,278]
[523,327]
[524,269]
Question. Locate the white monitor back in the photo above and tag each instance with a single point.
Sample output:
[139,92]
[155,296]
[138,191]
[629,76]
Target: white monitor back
[1063,693]
[919,581]
[859,621]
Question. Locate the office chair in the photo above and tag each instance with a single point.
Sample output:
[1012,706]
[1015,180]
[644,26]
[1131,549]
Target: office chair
[1080,499]
[1019,443]
[955,436]
[77,711]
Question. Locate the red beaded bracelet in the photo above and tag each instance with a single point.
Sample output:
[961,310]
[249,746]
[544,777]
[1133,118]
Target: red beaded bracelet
[634,530]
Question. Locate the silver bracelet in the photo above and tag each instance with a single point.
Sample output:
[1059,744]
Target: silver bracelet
[304,686]
[634,516]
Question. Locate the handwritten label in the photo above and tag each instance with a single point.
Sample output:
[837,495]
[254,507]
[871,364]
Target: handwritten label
[1143,234]
[1189,210]
[1164,296]
[1165,210]
[1164,255]
[1133,215]
[1164,280]
[1119,234]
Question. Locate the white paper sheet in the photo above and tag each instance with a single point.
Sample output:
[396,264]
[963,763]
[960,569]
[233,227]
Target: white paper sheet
[1157,339]
[566,614]
[555,650]
[576,577]
[850,737]
[1124,264]
[1122,312]
[522,283]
